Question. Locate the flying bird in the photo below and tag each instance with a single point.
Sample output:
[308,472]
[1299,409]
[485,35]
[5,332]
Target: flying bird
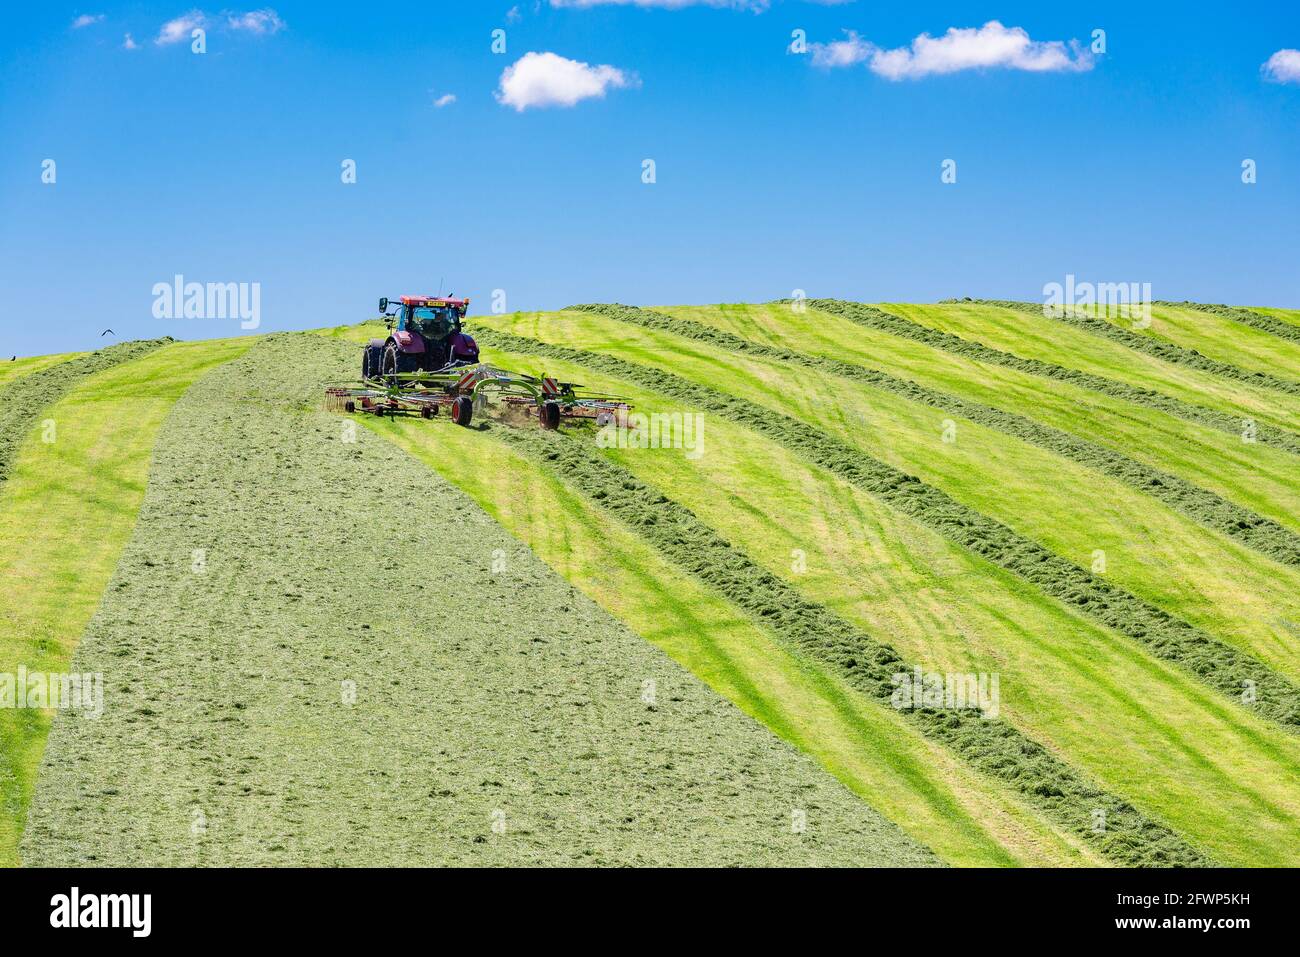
[107,332]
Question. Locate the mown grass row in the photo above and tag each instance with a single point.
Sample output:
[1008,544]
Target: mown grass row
[1247,317]
[1290,316]
[1223,338]
[1201,576]
[969,819]
[924,787]
[992,747]
[1157,348]
[1203,506]
[1215,773]
[18,367]
[1220,666]
[879,319]
[1213,583]
[22,399]
[1254,476]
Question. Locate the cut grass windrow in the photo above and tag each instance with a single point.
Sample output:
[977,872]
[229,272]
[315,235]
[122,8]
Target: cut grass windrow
[1247,317]
[1218,665]
[1158,348]
[1211,510]
[924,787]
[17,368]
[22,399]
[992,747]
[879,319]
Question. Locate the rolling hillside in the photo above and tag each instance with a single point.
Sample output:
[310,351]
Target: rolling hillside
[335,639]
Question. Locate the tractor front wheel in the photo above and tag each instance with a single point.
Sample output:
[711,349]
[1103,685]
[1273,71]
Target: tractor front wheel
[462,410]
[549,415]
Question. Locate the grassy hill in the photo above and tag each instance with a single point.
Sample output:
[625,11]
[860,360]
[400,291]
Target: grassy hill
[336,640]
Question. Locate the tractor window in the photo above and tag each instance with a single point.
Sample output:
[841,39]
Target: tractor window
[436,323]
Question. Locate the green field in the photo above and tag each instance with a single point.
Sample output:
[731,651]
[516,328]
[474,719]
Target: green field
[66,511]
[1226,340]
[1030,336]
[480,697]
[17,368]
[1289,316]
[1257,477]
[567,653]
[1233,593]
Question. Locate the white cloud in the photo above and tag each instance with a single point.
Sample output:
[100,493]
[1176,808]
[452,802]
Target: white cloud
[447,99]
[179,29]
[970,48]
[847,52]
[86,20]
[513,15]
[261,22]
[129,43]
[1283,67]
[546,79]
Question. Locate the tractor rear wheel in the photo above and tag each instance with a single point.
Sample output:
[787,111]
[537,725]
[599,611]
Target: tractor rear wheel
[462,410]
[549,415]
[372,362]
[397,362]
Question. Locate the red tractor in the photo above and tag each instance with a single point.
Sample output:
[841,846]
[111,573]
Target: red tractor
[424,335]
[426,363]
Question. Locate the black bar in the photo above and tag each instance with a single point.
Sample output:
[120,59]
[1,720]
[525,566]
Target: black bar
[1058,908]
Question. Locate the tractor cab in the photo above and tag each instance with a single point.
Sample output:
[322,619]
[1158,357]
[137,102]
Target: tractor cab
[433,318]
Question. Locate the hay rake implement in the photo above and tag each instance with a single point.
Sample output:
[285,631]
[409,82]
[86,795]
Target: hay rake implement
[427,363]
[463,391]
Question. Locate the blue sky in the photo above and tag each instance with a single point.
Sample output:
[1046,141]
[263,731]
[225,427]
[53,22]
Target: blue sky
[773,173]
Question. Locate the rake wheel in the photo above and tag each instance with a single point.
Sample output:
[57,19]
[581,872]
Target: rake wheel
[462,410]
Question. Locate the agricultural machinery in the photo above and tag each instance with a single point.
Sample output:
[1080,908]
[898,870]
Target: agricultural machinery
[424,335]
[427,363]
